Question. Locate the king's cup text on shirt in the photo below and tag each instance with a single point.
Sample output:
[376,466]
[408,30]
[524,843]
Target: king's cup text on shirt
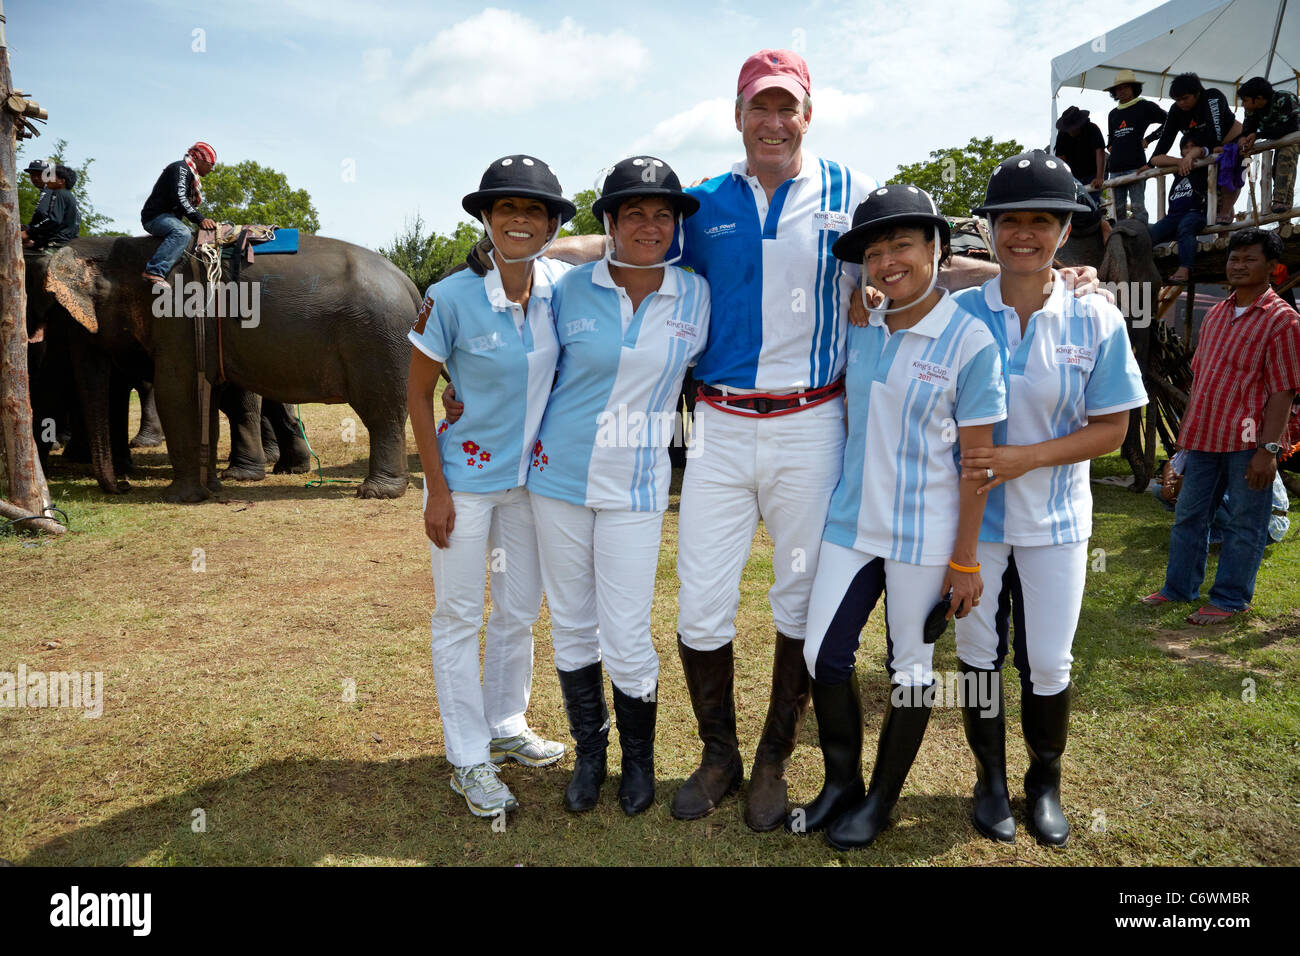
[930,373]
[830,219]
[1074,355]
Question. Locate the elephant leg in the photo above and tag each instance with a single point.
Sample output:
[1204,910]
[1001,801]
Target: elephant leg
[213,425]
[384,416]
[150,433]
[270,444]
[244,409]
[119,405]
[75,438]
[178,405]
[295,456]
[93,372]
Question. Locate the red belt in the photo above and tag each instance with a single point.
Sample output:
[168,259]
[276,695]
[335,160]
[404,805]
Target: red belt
[766,404]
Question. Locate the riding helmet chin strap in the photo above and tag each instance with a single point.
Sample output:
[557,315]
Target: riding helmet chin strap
[609,247]
[531,256]
[934,279]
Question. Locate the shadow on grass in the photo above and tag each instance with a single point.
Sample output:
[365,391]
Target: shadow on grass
[303,812]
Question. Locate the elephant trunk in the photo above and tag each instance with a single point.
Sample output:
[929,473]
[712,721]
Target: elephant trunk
[94,374]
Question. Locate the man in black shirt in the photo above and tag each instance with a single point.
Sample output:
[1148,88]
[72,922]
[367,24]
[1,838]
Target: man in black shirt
[176,194]
[1080,143]
[1206,120]
[55,220]
[1128,124]
[1273,114]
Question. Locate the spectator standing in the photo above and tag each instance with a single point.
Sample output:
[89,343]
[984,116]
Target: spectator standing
[1273,114]
[1083,148]
[1128,124]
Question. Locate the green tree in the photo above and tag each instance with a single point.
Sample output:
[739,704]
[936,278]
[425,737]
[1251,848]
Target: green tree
[92,222]
[427,258]
[957,177]
[247,192]
[584,223]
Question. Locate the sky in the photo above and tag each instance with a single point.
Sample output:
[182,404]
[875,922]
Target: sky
[386,112]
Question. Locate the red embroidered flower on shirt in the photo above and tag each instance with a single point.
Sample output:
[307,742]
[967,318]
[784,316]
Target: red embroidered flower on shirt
[538,458]
[469,447]
[442,427]
[484,456]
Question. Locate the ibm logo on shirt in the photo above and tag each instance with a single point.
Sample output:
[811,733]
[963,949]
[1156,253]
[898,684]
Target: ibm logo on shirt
[486,343]
[578,326]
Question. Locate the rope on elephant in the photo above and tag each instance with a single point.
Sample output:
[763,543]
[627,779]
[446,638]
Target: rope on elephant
[320,475]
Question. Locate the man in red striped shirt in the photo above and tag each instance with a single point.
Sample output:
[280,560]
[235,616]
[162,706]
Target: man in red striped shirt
[1245,374]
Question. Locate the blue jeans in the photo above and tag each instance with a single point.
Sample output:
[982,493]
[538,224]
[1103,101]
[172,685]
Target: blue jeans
[1130,199]
[175,236]
[1216,526]
[1185,227]
[1207,476]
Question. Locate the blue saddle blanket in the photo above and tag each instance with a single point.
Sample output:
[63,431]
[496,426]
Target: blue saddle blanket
[286,240]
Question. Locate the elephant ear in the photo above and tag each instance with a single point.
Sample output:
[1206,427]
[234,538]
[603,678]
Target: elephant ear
[71,279]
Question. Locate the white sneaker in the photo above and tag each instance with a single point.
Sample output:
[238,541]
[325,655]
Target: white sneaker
[485,794]
[527,748]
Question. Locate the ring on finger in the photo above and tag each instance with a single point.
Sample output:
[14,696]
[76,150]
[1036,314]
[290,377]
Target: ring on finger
[988,473]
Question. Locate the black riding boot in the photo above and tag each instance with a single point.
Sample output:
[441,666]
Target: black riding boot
[710,677]
[584,702]
[1046,722]
[635,717]
[985,722]
[839,731]
[900,739]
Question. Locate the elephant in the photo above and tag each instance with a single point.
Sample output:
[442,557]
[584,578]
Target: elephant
[328,324]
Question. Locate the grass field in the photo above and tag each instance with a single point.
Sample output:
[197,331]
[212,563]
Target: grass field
[229,633]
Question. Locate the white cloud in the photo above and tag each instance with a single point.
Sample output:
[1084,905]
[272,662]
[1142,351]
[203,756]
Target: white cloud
[833,107]
[501,62]
[708,123]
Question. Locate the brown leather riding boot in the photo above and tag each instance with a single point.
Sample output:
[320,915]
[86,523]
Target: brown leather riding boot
[709,678]
[765,802]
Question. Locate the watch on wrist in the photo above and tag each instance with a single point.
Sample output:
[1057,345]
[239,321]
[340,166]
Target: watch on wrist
[1273,448]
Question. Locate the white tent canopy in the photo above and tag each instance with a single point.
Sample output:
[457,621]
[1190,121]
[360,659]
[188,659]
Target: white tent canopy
[1225,42]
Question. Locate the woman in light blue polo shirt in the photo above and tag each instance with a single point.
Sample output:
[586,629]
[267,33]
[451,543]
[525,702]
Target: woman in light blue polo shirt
[495,335]
[923,383]
[1071,382]
[629,325]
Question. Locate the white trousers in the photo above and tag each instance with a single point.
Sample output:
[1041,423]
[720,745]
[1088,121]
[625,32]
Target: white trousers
[836,615]
[1051,593]
[497,527]
[782,470]
[599,570]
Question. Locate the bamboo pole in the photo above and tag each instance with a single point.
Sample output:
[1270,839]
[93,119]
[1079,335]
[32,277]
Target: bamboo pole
[27,485]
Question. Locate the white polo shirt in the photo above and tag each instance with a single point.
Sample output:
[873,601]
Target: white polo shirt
[780,299]
[907,393]
[1073,361]
[613,412]
[501,362]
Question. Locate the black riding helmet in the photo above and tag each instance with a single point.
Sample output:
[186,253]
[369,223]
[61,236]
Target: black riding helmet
[1034,180]
[519,175]
[894,204]
[641,176]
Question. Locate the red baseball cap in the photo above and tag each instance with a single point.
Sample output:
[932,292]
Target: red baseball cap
[780,68]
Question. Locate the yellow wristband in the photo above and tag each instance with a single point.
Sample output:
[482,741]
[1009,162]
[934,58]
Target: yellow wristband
[958,567]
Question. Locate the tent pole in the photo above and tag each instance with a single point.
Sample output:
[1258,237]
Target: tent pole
[1051,147]
[1277,28]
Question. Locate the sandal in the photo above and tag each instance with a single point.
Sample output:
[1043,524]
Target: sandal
[1156,600]
[1217,615]
[1278,207]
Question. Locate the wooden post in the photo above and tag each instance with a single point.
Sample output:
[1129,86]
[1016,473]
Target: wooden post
[27,487]
[1191,316]
[1160,197]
